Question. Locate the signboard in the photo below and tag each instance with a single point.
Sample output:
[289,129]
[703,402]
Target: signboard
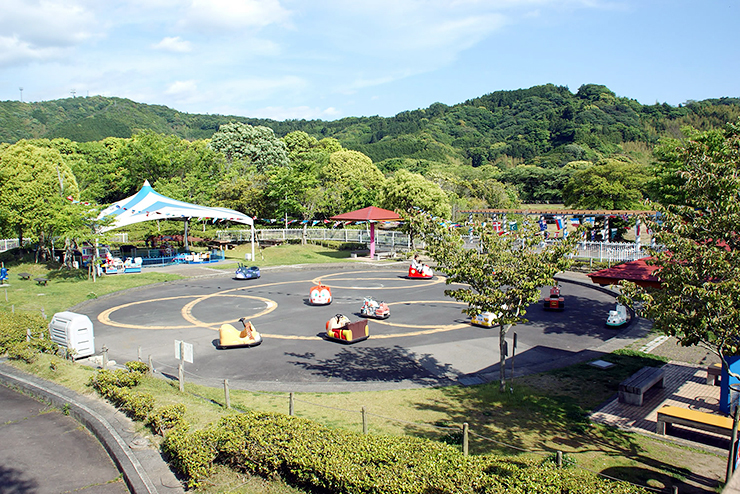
[187,351]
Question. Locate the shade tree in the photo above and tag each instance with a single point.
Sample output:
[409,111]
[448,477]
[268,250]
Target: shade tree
[699,262]
[503,274]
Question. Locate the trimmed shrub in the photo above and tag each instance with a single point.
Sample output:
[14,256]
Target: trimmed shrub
[13,327]
[24,351]
[166,418]
[329,460]
[136,366]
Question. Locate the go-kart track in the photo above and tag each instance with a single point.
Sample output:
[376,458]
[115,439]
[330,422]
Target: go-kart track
[426,341]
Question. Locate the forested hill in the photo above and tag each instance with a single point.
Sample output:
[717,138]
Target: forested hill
[545,126]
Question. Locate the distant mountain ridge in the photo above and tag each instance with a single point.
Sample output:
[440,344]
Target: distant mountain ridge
[546,125]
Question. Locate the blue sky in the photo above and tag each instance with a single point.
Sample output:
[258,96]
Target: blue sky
[330,59]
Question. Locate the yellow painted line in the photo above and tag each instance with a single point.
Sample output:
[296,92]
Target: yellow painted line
[333,277]
[186,311]
[104,317]
[187,314]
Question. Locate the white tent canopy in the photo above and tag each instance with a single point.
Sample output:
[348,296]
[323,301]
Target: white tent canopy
[148,205]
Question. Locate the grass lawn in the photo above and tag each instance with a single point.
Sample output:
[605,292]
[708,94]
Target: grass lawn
[287,254]
[544,413]
[66,288]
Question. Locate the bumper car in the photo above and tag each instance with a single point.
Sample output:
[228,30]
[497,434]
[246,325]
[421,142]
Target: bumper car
[554,301]
[132,265]
[247,273]
[420,271]
[617,317]
[485,320]
[340,329]
[230,337]
[320,295]
[373,308]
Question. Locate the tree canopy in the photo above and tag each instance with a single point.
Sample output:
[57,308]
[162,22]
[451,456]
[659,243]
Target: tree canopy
[699,298]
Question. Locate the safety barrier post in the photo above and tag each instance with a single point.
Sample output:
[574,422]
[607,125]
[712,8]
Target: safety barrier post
[465,439]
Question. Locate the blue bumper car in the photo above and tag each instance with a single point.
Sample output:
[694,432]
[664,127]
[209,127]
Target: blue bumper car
[247,273]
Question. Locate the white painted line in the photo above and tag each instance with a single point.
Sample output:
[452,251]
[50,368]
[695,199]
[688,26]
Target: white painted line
[653,344]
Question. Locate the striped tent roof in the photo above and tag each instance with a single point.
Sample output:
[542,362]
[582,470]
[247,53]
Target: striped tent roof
[147,205]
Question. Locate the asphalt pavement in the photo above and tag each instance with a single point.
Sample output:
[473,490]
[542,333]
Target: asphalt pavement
[425,342]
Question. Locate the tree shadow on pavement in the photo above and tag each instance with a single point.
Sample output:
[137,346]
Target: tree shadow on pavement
[363,364]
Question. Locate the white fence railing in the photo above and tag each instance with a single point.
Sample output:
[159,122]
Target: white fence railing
[384,240]
[397,241]
[8,244]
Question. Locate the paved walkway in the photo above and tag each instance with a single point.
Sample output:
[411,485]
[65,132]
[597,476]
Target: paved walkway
[144,471]
[685,387]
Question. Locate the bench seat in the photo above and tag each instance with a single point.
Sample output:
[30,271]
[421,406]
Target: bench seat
[710,422]
[41,281]
[714,374]
[632,389]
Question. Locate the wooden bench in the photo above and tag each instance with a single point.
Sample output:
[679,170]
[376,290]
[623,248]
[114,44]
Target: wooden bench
[24,276]
[714,374]
[632,390]
[711,422]
[41,281]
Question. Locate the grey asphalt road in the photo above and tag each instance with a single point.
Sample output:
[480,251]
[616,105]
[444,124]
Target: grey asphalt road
[426,341]
[45,451]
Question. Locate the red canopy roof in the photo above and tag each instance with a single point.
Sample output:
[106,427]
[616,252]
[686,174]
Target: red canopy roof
[638,272]
[370,213]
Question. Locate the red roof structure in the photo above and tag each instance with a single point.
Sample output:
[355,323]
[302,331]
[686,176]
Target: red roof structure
[638,272]
[371,214]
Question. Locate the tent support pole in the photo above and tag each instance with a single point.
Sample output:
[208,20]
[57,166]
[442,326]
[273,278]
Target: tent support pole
[185,237]
[253,259]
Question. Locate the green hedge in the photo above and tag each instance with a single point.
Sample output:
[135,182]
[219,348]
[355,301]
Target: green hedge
[329,460]
[116,386]
[13,328]
[325,460]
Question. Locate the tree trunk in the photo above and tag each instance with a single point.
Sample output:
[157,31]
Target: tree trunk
[504,328]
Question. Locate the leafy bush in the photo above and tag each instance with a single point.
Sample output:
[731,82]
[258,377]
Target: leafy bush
[328,460]
[13,327]
[115,386]
[24,351]
[166,418]
[136,366]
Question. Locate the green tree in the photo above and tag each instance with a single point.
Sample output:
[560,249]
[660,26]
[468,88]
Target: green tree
[406,191]
[502,276]
[350,181]
[668,185]
[698,266]
[37,183]
[610,184]
[245,145]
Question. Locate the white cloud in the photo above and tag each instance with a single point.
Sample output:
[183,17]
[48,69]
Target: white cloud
[47,23]
[14,51]
[180,88]
[174,44]
[38,30]
[297,112]
[216,15]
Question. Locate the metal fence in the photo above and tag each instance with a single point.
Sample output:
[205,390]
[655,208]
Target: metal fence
[397,241]
[8,244]
[393,241]
[384,240]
